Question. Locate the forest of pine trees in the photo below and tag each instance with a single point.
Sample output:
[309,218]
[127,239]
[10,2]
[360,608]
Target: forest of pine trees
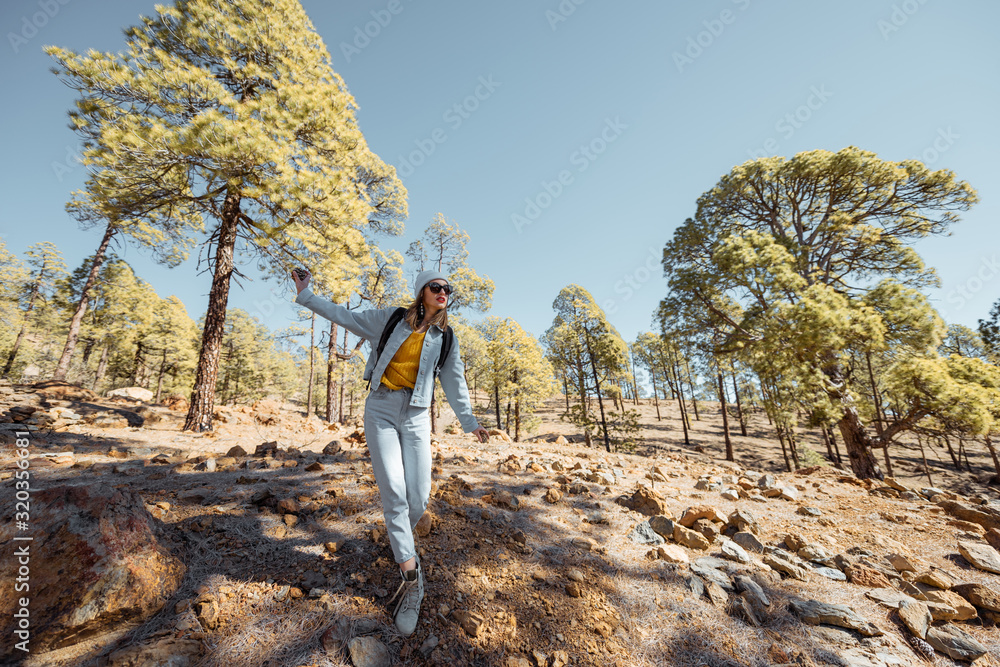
[793,291]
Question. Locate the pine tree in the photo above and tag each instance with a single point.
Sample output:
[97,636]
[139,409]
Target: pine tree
[796,245]
[582,338]
[46,266]
[514,371]
[230,111]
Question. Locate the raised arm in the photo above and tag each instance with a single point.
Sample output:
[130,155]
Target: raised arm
[366,323]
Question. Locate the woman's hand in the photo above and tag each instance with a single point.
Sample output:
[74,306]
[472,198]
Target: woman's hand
[301,279]
[481,434]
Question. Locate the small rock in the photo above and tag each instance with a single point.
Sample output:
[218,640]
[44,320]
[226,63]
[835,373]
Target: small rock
[648,502]
[901,563]
[830,573]
[752,591]
[915,616]
[744,521]
[815,613]
[690,538]
[964,610]
[749,542]
[672,553]
[809,511]
[573,589]
[780,564]
[955,643]
[692,514]
[663,525]
[553,496]
[981,556]
[368,652]
[867,577]
[979,595]
[470,621]
[425,524]
[734,552]
[936,578]
[716,594]
[643,533]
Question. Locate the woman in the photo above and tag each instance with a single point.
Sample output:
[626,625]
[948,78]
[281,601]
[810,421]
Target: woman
[397,423]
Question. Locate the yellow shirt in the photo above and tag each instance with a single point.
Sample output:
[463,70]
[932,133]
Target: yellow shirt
[402,370]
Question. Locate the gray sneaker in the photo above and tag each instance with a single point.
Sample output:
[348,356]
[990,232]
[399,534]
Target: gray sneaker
[410,594]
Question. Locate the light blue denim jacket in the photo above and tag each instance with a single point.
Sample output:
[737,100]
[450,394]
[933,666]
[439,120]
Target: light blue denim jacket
[369,325]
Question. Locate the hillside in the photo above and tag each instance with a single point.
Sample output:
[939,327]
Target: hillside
[536,553]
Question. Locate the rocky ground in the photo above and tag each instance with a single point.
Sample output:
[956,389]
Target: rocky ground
[262,543]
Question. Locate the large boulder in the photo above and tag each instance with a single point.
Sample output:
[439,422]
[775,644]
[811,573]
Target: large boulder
[94,562]
[135,393]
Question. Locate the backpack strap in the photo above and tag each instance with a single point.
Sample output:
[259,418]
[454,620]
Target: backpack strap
[446,343]
[394,319]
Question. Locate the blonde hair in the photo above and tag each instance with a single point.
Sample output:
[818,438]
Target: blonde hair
[413,317]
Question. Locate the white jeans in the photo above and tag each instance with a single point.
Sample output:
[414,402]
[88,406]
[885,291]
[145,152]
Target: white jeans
[399,440]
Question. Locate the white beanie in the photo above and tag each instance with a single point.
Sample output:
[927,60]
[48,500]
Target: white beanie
[425,277]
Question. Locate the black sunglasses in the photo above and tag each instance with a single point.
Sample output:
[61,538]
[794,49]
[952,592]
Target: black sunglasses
[438,287]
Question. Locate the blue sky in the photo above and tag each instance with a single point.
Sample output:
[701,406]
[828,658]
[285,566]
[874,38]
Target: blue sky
[610,118]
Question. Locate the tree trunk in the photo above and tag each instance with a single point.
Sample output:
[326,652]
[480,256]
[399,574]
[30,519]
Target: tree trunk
[159,379]
[81,308]
[199,417]
[656,400]
[340,409]
[331,365]
[739,407]
[793,447]
[600,401]
[725,420]
[312,365]
[829,447]
[635,384]
[137,364]
[859,446]
[878,405]
[496,404]
[836,447]
[993,453]
[923,456]
[694,399]
[680,400]
[517,420]
[102,365]
[856,439]
[951,453]
[784,450]
[24,324]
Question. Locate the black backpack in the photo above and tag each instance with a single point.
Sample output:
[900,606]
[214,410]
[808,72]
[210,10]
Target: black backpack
[394,319]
